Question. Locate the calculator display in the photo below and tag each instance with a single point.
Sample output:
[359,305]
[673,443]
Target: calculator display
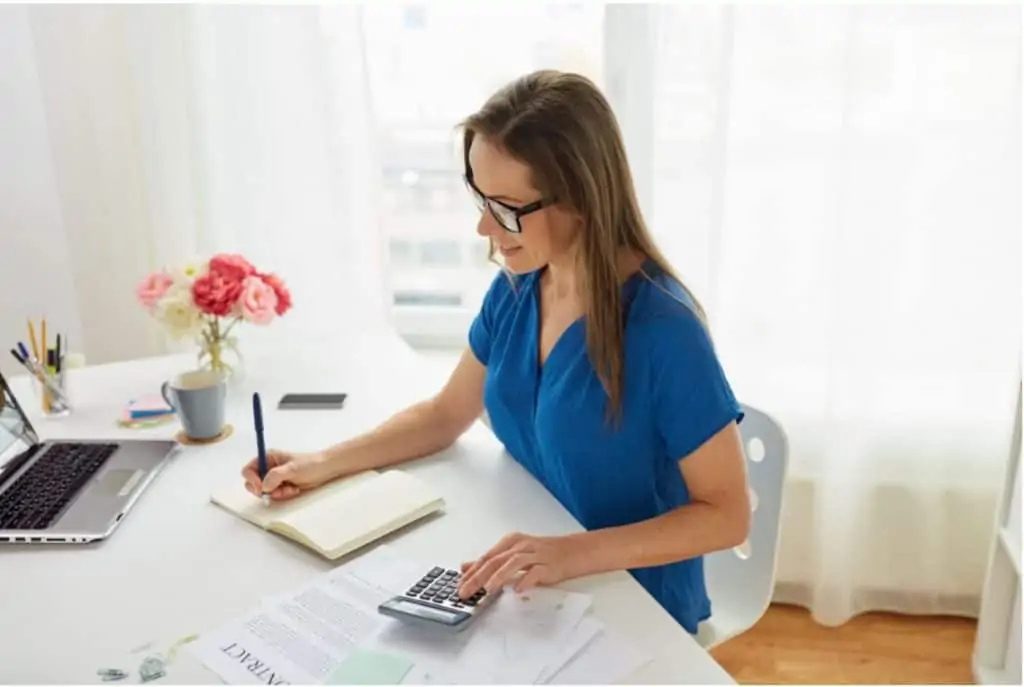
[424,611]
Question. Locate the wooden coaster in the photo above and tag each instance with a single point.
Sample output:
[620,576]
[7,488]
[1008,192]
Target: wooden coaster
[224,434]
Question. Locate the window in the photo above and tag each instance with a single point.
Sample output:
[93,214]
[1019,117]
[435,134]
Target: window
[431,65]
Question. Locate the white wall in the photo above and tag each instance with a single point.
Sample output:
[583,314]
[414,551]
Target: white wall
[35,270]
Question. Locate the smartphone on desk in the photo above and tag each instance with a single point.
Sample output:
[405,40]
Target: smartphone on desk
[312,401]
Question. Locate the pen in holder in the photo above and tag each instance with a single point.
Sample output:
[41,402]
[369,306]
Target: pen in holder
[48,382]
[51,390]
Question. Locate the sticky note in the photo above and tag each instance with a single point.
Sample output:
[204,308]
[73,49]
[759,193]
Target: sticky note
[370,668]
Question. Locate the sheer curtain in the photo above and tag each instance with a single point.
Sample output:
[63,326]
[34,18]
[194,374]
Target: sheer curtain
[842,188]
[183,130]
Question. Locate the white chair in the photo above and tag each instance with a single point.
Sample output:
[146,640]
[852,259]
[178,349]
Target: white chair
[740,581]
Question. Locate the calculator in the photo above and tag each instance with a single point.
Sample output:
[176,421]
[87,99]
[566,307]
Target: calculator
[433,601]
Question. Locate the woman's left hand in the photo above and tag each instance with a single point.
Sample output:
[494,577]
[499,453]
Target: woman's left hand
[533,560]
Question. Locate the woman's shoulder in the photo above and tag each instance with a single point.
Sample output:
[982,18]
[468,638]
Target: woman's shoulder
[664,315]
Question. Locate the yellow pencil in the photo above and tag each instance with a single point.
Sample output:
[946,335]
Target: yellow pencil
[32,339]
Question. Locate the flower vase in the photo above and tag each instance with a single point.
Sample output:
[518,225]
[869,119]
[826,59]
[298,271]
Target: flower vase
[220,353]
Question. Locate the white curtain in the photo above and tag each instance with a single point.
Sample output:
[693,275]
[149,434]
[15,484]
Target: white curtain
[839,184]
[170,132]
[842,187]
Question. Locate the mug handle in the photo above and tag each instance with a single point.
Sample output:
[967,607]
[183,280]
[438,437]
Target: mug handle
[165,391]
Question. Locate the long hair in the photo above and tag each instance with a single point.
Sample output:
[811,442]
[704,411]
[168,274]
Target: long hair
[562,127]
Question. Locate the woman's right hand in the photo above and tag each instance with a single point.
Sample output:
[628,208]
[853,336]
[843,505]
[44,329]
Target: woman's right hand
[288,474]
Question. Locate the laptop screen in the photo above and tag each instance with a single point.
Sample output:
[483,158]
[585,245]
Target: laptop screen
[16,433]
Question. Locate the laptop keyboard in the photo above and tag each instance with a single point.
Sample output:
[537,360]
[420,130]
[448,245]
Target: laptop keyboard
[40,493]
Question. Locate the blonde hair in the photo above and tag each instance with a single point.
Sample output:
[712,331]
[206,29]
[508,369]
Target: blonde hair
[562,127]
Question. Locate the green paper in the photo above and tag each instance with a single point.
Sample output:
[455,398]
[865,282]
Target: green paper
[370,668]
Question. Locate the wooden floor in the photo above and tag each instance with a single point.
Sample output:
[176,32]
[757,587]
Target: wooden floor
[788,647]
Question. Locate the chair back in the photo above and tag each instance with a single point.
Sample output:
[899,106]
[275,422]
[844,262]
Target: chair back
[740,581]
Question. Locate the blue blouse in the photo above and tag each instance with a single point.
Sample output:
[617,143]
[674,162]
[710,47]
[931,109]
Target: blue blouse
[551,418]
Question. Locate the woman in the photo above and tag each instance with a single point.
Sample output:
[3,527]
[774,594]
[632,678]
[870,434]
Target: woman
[590,358]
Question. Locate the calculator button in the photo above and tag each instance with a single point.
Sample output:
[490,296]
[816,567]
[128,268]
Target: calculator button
[435,572]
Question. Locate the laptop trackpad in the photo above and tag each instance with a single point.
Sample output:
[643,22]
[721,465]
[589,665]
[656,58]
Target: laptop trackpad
[119,481]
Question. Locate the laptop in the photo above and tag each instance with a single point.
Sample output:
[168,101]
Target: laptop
[68,491]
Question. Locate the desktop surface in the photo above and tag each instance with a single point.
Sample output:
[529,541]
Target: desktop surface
[181,565]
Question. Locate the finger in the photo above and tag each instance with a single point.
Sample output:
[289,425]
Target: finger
[250,471]
[486,572]
[506,573]
[285,491]
[480,572]
[277,476]
[504,544]
[249,467]
[531,579]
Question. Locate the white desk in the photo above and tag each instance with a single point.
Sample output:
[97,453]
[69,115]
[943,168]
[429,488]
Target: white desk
[179,564]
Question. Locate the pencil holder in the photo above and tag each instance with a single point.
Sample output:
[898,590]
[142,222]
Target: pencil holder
[52,394]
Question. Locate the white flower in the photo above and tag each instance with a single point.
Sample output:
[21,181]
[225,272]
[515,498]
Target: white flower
[177,312]
[187,272]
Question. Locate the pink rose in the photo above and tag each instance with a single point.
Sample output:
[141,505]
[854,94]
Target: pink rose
[231,266]
[216,294]
[152,289]
[284,296]
[259,300]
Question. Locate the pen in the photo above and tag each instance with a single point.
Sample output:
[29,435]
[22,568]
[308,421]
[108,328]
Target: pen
[261,449]
[39,373]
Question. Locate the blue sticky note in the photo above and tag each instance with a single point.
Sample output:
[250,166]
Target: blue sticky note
[370,668]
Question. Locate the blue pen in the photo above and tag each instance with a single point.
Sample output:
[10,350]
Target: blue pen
[24,351]
[257,418]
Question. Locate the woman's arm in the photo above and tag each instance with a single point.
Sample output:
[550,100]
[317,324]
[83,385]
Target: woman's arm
[717,517]
[421,429]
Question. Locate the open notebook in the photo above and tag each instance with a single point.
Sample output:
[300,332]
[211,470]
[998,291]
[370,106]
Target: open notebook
[341,516]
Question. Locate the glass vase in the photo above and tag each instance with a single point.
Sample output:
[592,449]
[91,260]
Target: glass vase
[218,351]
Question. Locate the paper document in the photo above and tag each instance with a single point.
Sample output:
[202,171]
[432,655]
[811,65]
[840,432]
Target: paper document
[300,641]
[299,638]
[582,635]
[329,631]
[522,634]
[606,659]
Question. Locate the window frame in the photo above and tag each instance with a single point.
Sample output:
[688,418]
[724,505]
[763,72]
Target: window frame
[629,33]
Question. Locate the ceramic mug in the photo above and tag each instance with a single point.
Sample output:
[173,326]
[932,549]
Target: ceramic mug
[198,398]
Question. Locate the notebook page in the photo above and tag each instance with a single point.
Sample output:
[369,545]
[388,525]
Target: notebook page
[236,499]
[366,509]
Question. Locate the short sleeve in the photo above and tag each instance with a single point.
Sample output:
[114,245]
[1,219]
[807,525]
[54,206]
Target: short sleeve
[484,325]
[692,398]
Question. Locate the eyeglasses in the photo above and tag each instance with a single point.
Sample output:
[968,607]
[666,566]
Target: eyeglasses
[508,216]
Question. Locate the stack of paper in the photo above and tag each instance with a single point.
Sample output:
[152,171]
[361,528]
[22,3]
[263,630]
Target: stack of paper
[329,632]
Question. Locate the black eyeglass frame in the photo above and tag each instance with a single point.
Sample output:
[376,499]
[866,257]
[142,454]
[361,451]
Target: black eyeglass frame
[517,212]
